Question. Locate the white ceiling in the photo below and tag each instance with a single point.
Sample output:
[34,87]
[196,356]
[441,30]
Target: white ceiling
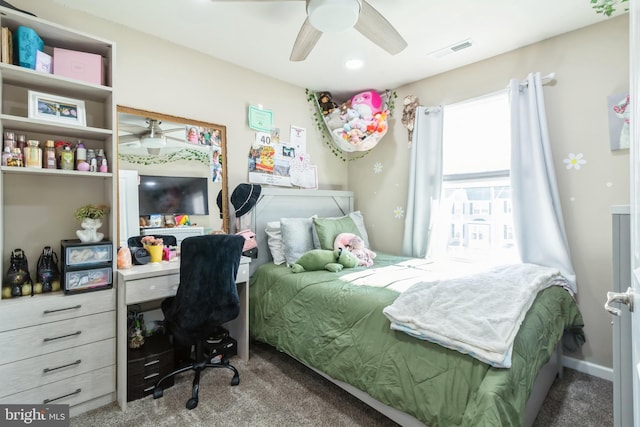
[259,34]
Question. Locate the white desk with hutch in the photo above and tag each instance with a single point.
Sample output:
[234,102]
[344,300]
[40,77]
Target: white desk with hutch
[156,281]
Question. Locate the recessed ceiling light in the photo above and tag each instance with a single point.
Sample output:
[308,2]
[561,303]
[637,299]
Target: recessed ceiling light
[354,64]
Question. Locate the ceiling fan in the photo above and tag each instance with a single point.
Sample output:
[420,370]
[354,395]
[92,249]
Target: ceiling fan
[337,15]
[149,139]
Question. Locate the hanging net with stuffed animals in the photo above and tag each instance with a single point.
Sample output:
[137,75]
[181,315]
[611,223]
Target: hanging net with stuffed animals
[357,124]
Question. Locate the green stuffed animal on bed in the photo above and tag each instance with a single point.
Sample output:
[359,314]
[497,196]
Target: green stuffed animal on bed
[325,259]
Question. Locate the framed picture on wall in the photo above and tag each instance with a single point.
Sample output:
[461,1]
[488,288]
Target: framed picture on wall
[53,108]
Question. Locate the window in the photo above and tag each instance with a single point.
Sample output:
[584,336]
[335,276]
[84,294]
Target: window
[474,219]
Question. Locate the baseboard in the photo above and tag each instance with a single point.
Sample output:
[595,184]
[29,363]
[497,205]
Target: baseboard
[588,368]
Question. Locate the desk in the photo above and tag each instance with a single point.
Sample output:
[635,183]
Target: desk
[156,281]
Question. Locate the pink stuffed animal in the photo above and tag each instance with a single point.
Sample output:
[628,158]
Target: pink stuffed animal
[354,244]
[367,104]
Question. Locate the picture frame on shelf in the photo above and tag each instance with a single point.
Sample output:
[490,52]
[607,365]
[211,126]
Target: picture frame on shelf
[54,108]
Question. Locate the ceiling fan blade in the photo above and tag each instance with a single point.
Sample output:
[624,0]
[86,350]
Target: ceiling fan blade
[376,28]
[128,138]
[307,38]
[132,128]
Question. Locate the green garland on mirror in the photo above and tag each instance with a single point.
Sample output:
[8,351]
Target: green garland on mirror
[184,154]
[607,7]
[390,98]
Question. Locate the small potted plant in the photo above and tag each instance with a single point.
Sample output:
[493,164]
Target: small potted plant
[90,217]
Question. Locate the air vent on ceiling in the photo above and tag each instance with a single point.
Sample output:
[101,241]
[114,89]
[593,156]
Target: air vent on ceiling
[457,47]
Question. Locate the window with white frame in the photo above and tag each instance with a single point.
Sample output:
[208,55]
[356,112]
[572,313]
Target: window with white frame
[473,220]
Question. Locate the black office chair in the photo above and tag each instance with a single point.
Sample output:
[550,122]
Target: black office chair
[206,298]
[167,240]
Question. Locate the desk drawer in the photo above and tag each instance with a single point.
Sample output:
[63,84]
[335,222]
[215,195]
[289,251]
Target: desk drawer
[51,307]
[70,391]
[243,273]
[153,288]
[51,337]
[48,368]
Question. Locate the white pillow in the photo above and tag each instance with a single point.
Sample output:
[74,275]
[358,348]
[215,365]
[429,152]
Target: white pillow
[297,236]
[274,240]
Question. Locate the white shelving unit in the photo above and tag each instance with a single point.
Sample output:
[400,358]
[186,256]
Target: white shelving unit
[57,348]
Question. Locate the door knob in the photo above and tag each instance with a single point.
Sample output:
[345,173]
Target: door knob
[621,297]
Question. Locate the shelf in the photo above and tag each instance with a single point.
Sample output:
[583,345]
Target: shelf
[36,80]
[56,172]
[23,124]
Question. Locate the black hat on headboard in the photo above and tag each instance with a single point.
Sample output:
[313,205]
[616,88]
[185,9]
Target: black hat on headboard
[244,198]
[219,201]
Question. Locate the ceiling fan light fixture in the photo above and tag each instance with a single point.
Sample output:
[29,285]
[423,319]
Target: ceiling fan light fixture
[149,141]
[330,16]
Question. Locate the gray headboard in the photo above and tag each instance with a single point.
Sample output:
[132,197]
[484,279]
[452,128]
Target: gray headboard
[276,203]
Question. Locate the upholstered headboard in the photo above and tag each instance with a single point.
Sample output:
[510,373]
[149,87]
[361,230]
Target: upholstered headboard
[276,203]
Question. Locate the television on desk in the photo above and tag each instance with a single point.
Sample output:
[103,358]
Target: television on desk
[173,195]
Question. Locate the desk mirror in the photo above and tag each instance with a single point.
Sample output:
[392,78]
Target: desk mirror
[161,145]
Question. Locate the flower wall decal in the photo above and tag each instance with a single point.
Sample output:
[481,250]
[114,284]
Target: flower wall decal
[377,167]
[574,161]
[398,212]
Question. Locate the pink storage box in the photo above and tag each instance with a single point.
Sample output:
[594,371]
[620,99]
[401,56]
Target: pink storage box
[78,65]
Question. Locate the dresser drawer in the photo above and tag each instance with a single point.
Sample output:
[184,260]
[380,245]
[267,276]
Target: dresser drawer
[46,308]
[51,337]
[153,288]
[70,391]
[44,369]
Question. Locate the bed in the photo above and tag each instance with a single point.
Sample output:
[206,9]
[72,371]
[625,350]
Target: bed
[336,326]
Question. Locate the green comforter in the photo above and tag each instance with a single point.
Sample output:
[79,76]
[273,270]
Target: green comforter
[339,329]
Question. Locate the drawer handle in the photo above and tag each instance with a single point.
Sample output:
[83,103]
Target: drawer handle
[149,388]
[62,336]
[61,397]
[77,362]
[62,309]
[153,362]
[151,375]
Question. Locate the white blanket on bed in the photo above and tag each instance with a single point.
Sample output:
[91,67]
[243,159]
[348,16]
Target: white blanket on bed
[478,314]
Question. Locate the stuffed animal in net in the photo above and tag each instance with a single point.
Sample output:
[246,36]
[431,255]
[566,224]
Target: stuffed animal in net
[327,105]
[325,259]
[410,104]
[354,244]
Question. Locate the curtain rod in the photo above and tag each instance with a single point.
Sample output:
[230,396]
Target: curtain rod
[549,79]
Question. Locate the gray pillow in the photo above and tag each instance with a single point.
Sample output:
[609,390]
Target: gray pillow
[297,237]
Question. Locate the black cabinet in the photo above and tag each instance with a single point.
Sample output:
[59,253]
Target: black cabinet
[147,364]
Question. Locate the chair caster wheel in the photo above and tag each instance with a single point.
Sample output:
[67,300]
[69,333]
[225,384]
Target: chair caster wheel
[157,393]
[235,380]
[192,403]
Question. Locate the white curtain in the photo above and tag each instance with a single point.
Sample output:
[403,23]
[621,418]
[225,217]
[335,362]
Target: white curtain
[425,180]
[537,214]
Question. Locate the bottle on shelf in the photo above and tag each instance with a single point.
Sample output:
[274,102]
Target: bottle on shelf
[9,139]
[49,157]
[66,159]
[100,156]
[21,143]
[33,154]
[6,155]
[91,155]
[103,166]
[81,157]
[16,158]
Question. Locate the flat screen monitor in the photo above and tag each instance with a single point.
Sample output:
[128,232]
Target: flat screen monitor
[177,195]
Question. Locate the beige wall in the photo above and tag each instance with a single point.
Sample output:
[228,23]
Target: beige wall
[154,75]
[590,64]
